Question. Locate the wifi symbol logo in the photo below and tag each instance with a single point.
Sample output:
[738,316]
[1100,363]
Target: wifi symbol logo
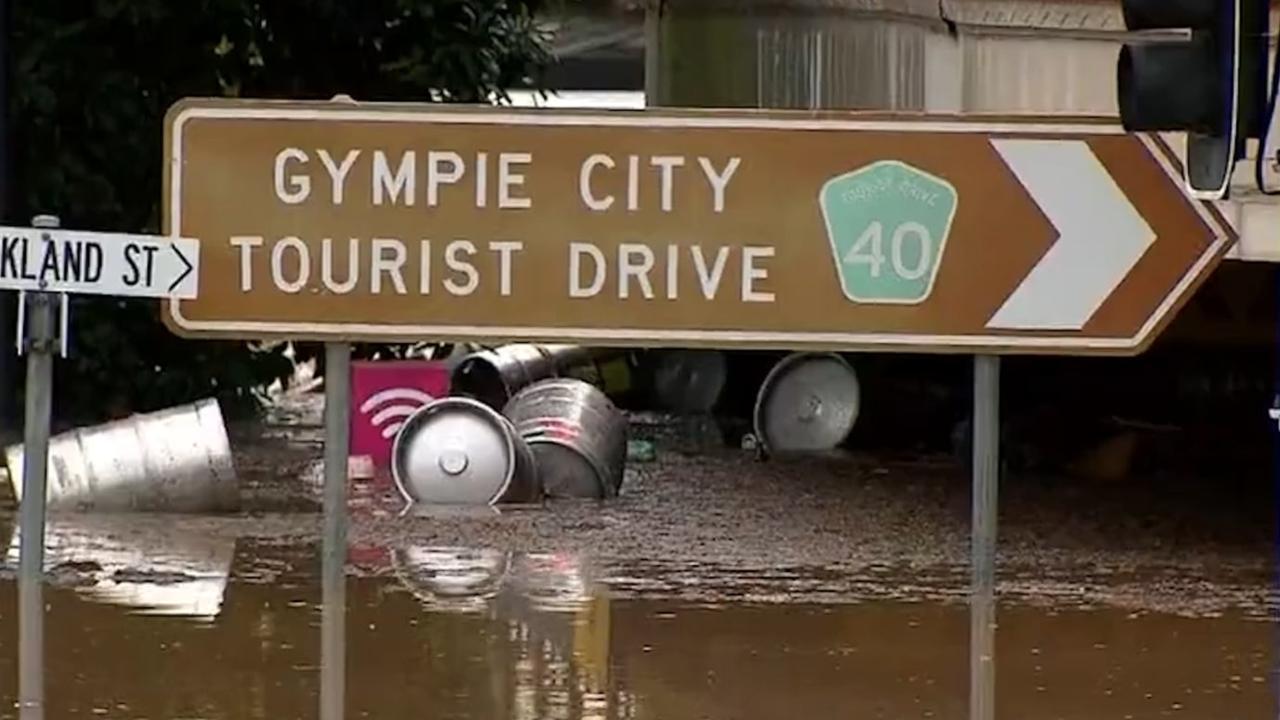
[391,407]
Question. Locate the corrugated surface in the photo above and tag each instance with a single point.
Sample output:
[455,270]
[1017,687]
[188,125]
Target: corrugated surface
[1034,75]
[870,64]
[940,55]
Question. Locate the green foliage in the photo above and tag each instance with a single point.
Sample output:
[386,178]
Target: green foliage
[92,79]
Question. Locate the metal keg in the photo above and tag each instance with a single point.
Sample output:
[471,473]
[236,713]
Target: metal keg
[493,376]
[577,434]
[688,381]
[807,402]
[458,450]
[174,460]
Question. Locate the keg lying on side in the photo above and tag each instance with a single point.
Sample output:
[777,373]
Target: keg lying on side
[809,402]
[577,434]
[458,450]
[175,460]
[494,376]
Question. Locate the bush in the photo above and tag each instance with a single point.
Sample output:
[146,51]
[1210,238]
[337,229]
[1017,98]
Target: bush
[92,79]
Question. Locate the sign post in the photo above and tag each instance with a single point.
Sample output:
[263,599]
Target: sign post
[44,263]
[337,424]
[986,473]
[39,345]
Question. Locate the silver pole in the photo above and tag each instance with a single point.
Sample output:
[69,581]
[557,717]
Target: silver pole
[982,607]
[41,333]
[337,403]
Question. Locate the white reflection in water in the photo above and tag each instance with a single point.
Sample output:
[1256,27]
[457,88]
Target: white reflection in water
[153,570]
[555,618]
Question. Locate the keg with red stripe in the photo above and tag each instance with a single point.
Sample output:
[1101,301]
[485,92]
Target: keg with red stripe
[577,434]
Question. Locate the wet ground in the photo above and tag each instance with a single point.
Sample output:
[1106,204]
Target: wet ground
[716,587]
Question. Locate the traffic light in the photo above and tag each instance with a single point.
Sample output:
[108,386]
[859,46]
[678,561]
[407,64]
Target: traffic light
[1208,81]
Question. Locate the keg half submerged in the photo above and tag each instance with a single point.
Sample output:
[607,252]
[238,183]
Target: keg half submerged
[577,434]
[458,450]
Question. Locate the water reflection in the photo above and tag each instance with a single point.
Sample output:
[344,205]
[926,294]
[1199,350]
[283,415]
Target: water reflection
[439,632]
[148,568]
[547,648]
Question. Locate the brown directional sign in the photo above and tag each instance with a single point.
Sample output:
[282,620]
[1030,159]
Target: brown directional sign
[345,221]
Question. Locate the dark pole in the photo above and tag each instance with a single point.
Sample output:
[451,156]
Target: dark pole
[8,352]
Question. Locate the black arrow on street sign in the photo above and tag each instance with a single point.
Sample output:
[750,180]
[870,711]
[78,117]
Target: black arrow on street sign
[185,273]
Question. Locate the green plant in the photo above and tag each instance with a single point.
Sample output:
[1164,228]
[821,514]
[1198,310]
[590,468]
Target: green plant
[92,79]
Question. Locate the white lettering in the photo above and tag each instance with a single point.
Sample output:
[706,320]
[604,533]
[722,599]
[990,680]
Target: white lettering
[404,180]
[508,179]
[380,263]
[584,183]
[424,268]
[338,173]
[576,289]
[326,266]
[719,180]
[751,273]
[628,268]
[246,243]
[710,281]
[633,182]
[482,179]
[673,272]
[300,184]
[504,249]
[277,265]
[667,165]
[462,266]
[436,176]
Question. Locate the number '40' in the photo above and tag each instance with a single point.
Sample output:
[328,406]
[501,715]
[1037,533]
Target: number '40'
[869,250]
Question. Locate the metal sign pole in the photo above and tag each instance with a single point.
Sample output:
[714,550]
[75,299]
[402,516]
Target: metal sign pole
[40,343]
[986,466]
[337,402]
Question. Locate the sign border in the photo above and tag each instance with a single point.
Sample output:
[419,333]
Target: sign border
[1043,342]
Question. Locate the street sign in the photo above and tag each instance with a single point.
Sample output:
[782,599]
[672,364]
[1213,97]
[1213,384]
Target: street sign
[97,263]
[344,221]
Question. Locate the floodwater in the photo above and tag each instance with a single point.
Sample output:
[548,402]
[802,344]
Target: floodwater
[714,588]
[187,624]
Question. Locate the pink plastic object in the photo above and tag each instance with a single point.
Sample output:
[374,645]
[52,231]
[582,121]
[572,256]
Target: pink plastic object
[383,395]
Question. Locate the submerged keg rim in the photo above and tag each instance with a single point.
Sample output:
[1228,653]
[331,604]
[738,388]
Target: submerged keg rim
[419,416]
[771,380]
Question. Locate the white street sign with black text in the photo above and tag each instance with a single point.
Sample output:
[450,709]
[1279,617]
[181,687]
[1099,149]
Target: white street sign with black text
[96,263]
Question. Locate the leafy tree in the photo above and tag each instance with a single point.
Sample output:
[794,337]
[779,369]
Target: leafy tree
[92,79]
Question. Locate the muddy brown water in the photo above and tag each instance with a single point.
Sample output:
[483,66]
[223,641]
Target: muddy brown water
[714,588]
[439,636]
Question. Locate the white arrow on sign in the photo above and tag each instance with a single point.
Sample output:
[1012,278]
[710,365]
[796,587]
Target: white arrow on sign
[117,264]
[1101,235]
